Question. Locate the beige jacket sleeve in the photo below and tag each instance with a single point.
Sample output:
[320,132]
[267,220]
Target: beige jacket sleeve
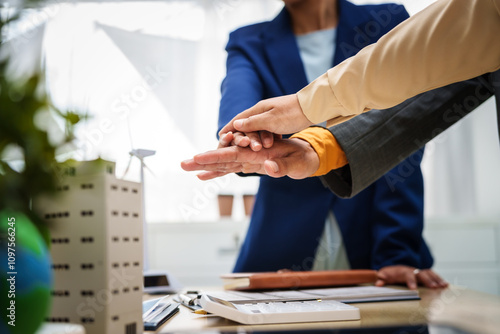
[449,41]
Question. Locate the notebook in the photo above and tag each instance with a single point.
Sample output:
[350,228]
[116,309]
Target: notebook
[297,279]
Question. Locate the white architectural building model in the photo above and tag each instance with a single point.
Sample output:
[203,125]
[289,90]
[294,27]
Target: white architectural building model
[95,223]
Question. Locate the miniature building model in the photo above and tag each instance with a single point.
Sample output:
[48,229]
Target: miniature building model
[95,222]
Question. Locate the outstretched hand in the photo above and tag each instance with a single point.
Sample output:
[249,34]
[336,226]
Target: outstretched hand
[293,157]
[280,115]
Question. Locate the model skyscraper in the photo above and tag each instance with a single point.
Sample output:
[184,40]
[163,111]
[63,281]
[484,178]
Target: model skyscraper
[96,227]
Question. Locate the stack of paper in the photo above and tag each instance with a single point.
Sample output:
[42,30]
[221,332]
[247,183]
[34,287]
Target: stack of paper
[346,295]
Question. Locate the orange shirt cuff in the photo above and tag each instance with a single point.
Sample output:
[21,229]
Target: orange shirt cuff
[331,156]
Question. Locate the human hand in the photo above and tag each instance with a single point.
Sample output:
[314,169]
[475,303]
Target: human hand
[293,157]
[280,115]
[254,140]
[400,274]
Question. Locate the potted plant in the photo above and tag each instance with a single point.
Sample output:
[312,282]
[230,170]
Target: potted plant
[27,170]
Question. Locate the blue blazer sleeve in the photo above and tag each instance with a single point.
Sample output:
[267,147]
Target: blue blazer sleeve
[242,87]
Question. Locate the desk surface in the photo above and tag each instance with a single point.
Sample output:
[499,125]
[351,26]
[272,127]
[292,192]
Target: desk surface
[468,310]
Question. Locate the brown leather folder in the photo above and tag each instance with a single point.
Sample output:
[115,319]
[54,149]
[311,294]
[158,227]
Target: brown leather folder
[297,279]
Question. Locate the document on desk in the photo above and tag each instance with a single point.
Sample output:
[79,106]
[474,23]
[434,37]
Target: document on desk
[156,311]
[357,294]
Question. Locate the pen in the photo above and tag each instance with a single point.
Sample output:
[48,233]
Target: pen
[189,298]
[158,310]
[185,299]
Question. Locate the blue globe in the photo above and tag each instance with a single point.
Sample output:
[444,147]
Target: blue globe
[25,278]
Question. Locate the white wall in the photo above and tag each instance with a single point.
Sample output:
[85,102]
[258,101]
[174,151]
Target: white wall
[148,74]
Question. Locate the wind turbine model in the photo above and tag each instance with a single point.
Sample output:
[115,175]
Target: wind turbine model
[154,281]
[141,154]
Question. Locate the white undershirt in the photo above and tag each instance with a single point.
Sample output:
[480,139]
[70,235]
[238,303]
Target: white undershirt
[317,50]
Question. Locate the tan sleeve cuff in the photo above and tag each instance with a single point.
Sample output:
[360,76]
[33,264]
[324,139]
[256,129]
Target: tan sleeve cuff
[317,100]
[331,156]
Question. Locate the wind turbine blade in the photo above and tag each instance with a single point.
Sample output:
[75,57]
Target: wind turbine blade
[128,165]
[149,169]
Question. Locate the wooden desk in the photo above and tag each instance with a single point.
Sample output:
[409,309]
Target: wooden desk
[465,309]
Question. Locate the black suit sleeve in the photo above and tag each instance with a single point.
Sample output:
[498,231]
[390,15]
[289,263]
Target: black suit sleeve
[377,141]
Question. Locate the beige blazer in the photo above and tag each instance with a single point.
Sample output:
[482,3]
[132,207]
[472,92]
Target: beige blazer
[449,41]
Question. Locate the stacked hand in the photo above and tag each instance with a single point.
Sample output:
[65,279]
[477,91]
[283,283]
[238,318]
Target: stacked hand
[251,143]
[281,115]
[261,153]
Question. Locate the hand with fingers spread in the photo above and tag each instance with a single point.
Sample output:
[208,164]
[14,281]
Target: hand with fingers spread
[400,274]
[280,115]
[293,157]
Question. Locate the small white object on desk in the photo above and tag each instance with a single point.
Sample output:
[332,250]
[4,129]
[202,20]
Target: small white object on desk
[280,312]
[57,328]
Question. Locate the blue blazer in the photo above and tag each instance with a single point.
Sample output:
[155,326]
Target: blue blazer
[380,226]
